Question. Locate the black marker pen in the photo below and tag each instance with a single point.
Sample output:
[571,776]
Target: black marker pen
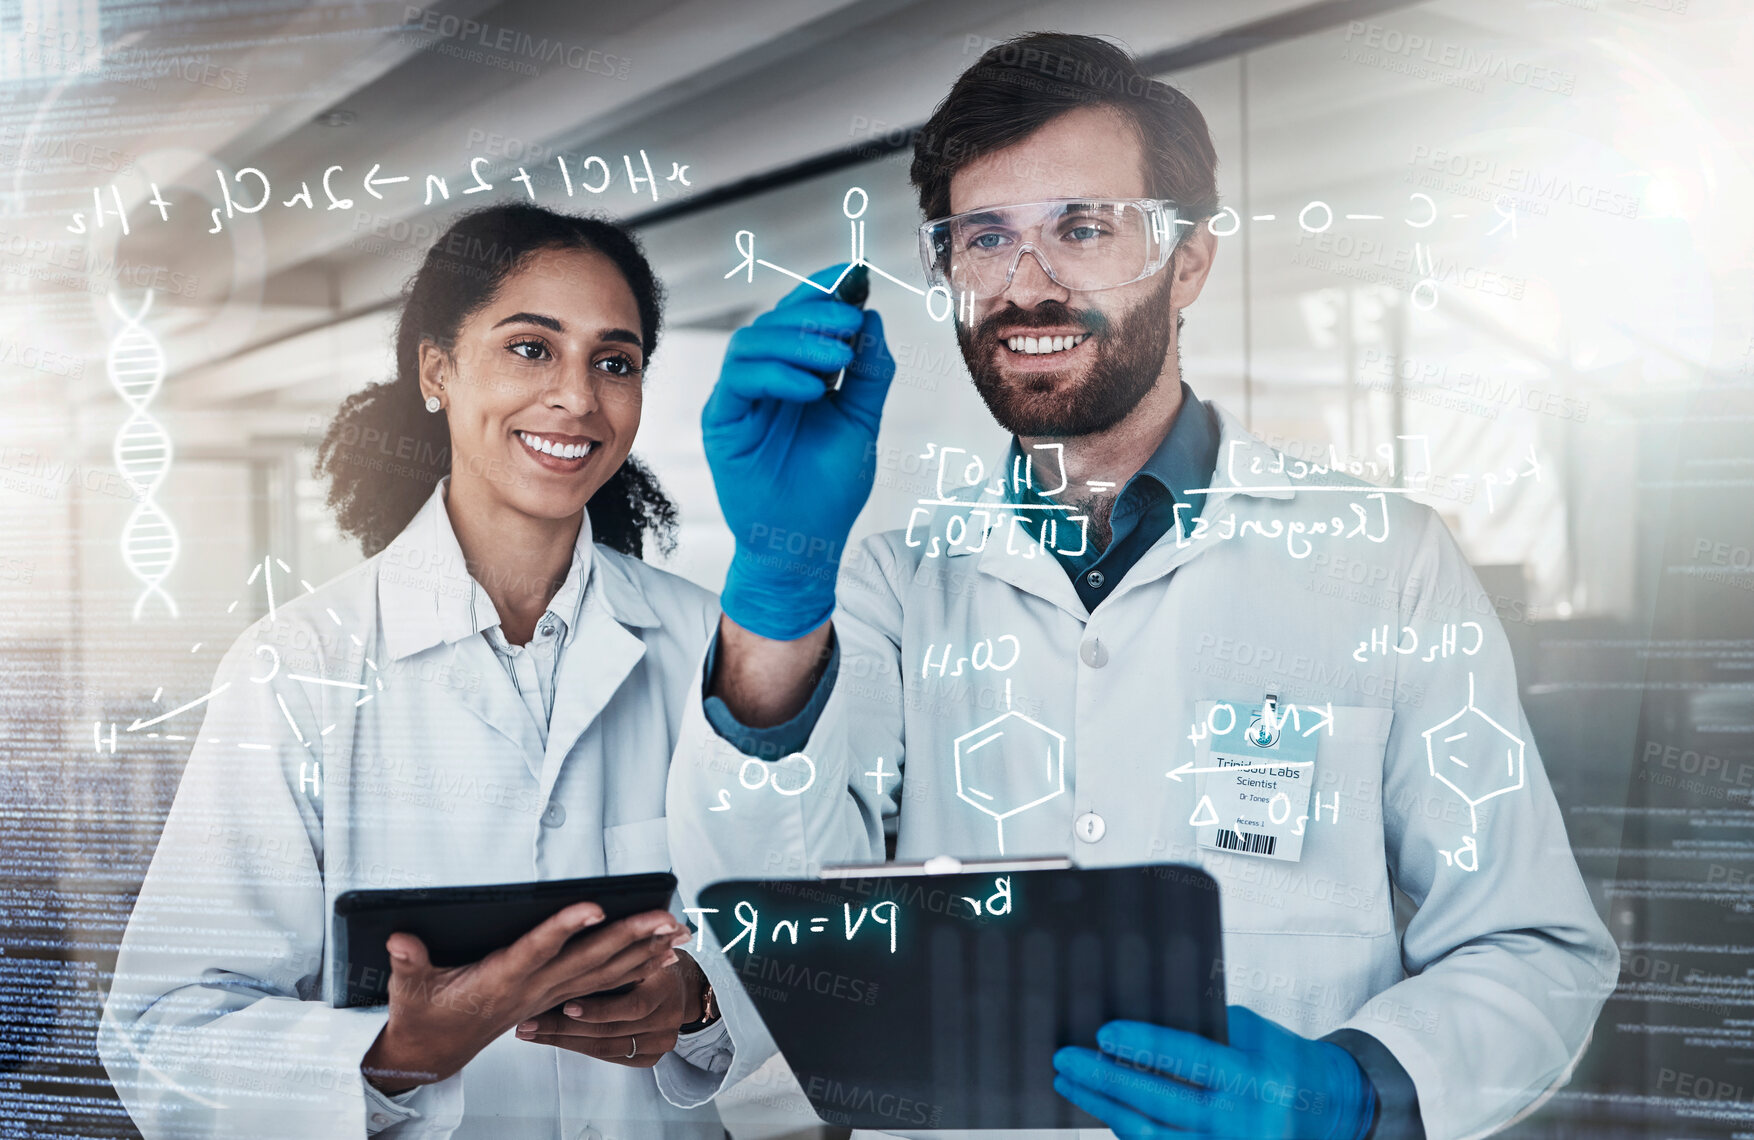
[854,288]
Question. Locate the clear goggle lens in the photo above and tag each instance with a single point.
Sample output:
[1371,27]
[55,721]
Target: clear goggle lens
[1081,243]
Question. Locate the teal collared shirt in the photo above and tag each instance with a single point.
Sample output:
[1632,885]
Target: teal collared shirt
[1145,508]
[1143,513]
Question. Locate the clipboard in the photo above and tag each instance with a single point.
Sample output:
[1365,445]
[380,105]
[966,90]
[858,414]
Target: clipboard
[921,1000]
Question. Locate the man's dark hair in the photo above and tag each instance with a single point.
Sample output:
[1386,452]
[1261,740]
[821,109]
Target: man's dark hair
[1016,87]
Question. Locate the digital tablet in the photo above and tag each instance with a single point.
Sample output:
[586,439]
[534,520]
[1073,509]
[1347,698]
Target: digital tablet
[461,925]
[917,1003]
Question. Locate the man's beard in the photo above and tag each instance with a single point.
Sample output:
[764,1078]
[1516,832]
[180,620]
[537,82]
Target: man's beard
[1129,357]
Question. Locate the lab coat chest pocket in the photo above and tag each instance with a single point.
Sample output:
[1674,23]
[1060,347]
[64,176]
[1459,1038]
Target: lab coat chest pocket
[1340,884]
[633,848]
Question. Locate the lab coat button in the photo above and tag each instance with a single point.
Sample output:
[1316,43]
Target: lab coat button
[555,815]
[380,1119]
[547,627]
[1089,827]
[1093,653]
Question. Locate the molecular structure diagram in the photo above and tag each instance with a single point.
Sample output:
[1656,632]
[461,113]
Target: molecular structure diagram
[142,453]
[1488,765]
[268,658]
[1021,759]
[940,303]
[934,297]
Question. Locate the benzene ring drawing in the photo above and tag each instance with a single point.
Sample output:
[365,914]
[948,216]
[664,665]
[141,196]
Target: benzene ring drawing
[1475,757]
[1009,765]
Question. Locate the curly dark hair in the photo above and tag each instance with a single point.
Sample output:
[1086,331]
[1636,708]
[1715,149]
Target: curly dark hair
[383,452]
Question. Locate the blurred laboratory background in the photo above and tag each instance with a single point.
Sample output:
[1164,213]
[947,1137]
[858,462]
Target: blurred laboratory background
[1507,236]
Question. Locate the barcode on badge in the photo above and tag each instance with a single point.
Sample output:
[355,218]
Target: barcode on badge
[1247,842]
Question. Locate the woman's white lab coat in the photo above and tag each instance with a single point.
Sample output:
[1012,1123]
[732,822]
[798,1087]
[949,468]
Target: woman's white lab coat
[953,639]
[365,735]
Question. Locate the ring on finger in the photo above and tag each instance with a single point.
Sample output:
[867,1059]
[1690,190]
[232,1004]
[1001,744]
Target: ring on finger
[632,1046]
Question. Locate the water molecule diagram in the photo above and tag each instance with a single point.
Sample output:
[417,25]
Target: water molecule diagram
[369,685]
[142,453]
[1478,759]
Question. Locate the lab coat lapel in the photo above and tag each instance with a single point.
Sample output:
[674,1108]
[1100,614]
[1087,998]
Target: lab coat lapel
[496,701]
[1032,570]
[424,593]
[601,654]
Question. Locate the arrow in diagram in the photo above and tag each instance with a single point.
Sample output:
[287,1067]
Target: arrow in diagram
[1188,768]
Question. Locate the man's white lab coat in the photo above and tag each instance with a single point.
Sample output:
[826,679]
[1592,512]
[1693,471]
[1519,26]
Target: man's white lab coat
[1487,994]
[217,1024]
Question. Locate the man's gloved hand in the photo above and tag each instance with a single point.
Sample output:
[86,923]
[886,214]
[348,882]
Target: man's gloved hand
[793,461]
[1267,1084]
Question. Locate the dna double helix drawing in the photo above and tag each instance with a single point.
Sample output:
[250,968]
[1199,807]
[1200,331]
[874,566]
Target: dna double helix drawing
[142,453]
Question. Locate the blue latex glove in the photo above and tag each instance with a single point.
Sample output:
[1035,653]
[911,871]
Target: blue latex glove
[793,462]
[1267,1084]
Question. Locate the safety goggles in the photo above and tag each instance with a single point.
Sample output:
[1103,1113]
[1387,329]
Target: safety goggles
[1084,244]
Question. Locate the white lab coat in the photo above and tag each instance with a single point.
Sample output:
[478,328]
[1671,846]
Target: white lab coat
[1489,991]
[217,1024]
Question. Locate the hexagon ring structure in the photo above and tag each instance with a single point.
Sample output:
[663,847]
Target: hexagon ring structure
[1475,756]
[1009,765]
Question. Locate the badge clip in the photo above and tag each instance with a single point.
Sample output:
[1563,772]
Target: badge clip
[1264,733]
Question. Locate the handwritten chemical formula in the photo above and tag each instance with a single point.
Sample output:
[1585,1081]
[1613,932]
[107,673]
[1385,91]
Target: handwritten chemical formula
[596,175]
[1296,471]
[982,656]
[883,915]
[884,918]
[1316,217]
[969,519]
[767,775]
[1450,641]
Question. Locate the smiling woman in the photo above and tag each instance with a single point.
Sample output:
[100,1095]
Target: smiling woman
[491,485]
[384,451]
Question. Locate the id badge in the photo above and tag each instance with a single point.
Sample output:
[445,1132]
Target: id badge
[1253,785]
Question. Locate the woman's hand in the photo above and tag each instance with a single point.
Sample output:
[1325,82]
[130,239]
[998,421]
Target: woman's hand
[633,1029]
[441,1018]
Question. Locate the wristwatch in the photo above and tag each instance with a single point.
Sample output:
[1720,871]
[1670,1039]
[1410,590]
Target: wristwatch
[709,1005]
